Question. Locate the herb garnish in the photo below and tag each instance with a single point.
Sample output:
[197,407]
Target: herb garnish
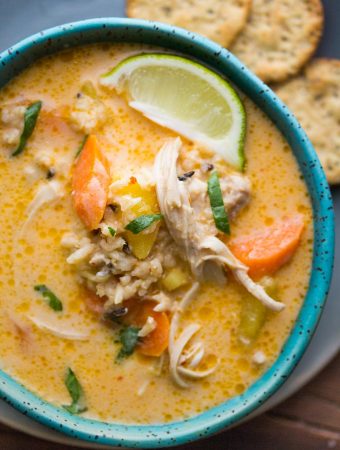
[217,203]
[142,222]
[30,119]
[128,338]
[112,231]
[76,392]
[81,146]
[53,300]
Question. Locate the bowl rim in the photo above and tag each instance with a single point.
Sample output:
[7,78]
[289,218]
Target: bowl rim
[233,410]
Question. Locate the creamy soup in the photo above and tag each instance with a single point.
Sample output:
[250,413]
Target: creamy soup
[85,299]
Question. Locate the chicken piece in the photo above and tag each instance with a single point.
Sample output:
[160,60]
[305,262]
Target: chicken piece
[173,199]
[235,191]
[191,229]
[87,113]
[188,217]
[12,116]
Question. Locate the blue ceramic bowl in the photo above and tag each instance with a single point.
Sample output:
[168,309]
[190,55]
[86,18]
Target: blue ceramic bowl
[232,411]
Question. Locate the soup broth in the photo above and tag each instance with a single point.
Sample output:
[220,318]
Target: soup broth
[39,343]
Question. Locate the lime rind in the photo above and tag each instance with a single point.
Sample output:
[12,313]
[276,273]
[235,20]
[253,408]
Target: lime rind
[230,146]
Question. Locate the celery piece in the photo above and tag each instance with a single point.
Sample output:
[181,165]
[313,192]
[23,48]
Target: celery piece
[253,313]
[253,316]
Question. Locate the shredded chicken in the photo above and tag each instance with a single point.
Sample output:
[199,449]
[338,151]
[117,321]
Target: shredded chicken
[81,254]
[193,356]
[12,116]
[179,351]
[189,230]
[220,253]
[32,173]
[141,390]
[235,191]
[46,193]
[173,199]
[164,301]
[157,365]
[87,113]
[64,334]
[148,327]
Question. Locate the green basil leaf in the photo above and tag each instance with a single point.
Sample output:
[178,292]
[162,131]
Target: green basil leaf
[53,300]
[128,338]
[112,231]
[217,203]
[81,145]
[142,222]
[76,392]
[30,119]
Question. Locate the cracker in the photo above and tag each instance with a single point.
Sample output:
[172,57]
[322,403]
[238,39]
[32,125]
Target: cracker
[280,37]
[219,20]
[314,97]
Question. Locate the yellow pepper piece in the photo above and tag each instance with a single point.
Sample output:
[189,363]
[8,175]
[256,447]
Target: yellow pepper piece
[89,89]
[175,278]
[142,243]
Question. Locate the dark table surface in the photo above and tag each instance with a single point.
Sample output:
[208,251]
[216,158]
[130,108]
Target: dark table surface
[310,420]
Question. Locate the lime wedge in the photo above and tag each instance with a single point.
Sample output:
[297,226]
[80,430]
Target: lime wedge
[186,97]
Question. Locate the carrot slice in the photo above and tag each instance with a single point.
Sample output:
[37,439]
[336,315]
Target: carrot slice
[93,302]
[154,343]
[90,183]
[157,341]
[266,251]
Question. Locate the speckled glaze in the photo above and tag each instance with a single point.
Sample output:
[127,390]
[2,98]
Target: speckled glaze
[233,411]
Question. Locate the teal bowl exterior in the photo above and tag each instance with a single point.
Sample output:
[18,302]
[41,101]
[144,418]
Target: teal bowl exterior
[219,59]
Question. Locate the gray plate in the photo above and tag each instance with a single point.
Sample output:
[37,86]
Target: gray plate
[20,18]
